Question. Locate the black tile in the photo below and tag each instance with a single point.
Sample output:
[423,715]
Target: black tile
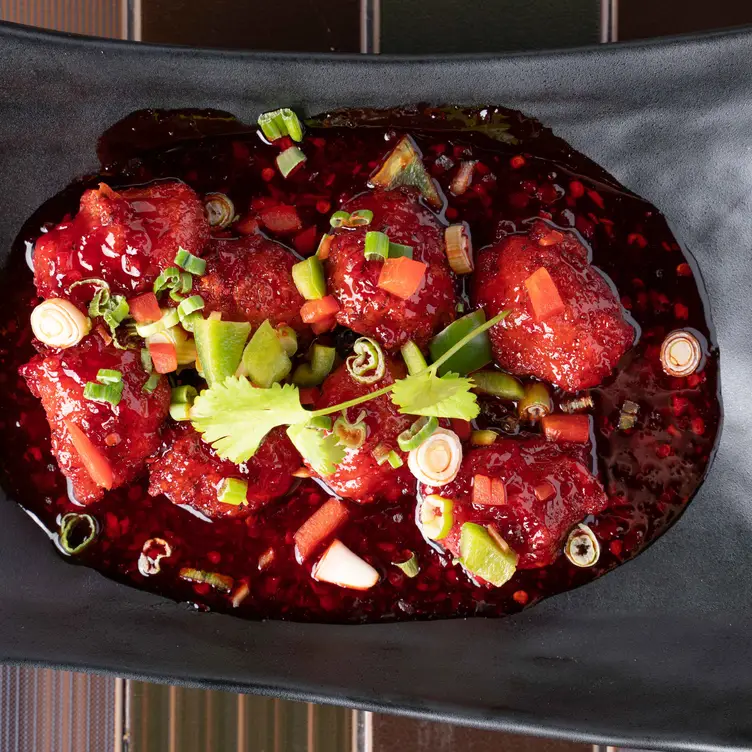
[421,26]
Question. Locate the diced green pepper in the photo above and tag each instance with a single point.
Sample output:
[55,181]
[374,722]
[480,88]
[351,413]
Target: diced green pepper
[498,384]
[473,356]
[265,359]
[314,372]
[288,338]
[219,345]
[486,557]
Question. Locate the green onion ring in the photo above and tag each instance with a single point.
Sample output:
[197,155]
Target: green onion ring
[350,435]
[189,262]
[376,246]
[339,218]
[368,365]
[151,383]
[360,218]
[68,525]
[418,432]
[109,376]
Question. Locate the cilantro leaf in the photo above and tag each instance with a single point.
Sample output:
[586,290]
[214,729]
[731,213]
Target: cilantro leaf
[234,416]
[427,394]
[321,450]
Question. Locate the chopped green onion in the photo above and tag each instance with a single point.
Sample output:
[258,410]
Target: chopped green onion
[309,278]
[112,308]
[498,384]
[111,393]
[288,339]
[360,218]
[413,358]
[381,454]
[264,358]
[220,582]
[168,279]
[339,218]
[189,262]
[409,567]
[109,376]
[289,159]
[418,432]
[171,318]
[272,125]
[180,411]
[187,308]
[151,383]
[280,123]
[377,246]
[394,460]
[292,124]
[314,372]
[350,435]
[233,491]
[368,365]
[396,250]
[184,393]
[146,362]
[116,311]
[77,531]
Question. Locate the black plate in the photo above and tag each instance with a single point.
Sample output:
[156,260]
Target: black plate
[656,654]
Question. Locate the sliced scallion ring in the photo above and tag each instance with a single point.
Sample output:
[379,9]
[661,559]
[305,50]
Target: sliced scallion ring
[169,279]
[418,432]
[397,250]
[308,276]
[292,124]
[77,531]
[184,393]
[339,218]
[394,460]
[111,393]
[350,435]
[146,361]
[410,567]
[193,264]
[233,491]
[376,246]
[413,357]
[289,159]
[278,123]
[381,454]
[368,365]
[151,383]
[180,411]
[360,218]
[171,318]
[436,516]
[188,307]
[109,376]
[220,582]
[220,210]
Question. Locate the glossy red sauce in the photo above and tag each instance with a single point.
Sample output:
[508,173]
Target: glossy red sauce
[649,473]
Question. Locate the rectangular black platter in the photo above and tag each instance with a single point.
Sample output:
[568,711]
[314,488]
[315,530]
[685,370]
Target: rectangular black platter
[656,654]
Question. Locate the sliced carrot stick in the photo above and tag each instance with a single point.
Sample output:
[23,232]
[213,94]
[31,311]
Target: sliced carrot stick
[575,428]
[314,311]
[318,527]
[92,458]
[145,308]
[164,356]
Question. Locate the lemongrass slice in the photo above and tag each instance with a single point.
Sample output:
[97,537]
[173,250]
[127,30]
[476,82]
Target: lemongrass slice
[437,460]
[340,566]
[459,248]
[58,323]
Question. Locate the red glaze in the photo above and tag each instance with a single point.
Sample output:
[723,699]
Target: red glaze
[125,238]
[359,476]
[365,307]
[574,349]
[189,472]
[125,434]
[535,529]
[250,279]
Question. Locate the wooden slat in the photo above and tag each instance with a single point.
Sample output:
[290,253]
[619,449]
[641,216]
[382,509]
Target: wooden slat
[101,18]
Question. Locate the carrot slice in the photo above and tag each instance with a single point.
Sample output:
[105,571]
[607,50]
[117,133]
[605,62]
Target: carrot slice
[544,296]
[94,461]
[482,490]
[318,310]
[325,325]
[462,428]
[164,356]
[145,308]
[318,527]
[575,428]
[282,219]
[402,276]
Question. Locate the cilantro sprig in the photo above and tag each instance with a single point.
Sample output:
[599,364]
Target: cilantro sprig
[234,416]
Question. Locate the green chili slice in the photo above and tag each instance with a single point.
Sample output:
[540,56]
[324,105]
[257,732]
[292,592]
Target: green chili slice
[77,531]
[319,367]
[350,435]
[309,278]
[473,355]
[413,358]
[536,402]
[368,365]
[376,246]
[498,384]
[418,432]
